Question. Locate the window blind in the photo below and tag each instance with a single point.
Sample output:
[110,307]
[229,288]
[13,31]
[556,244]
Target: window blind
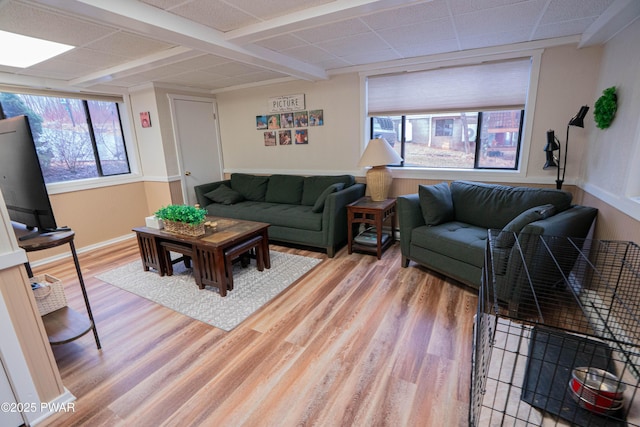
[487,86]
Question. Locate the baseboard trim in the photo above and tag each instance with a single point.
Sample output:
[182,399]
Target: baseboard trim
[84,249]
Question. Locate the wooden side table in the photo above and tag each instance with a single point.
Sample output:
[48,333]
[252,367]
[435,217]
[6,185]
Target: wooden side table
[63,325]
[366,211]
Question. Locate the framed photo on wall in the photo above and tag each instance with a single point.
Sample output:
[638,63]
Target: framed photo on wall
[316,118]
[270,138]
[300,119]
[145,120]
[273,121]
[301,136]
[284,137]
[286,120]
[261,122]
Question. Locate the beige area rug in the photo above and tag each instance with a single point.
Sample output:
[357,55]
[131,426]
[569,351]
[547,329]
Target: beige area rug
[252,289]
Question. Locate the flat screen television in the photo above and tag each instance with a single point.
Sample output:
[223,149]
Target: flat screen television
[21,180]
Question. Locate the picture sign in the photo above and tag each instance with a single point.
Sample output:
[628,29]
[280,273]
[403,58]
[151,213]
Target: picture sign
[286,103]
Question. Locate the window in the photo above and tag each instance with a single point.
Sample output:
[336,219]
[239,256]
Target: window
[444,127]
[467,117]
[75,139]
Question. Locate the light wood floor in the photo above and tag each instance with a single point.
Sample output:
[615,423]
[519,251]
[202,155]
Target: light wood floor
[357,342]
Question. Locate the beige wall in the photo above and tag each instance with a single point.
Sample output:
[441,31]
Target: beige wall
[567,78]
[105,213]
[333,148]
[611,170]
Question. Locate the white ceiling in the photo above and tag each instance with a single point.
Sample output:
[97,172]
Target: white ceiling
[212,45]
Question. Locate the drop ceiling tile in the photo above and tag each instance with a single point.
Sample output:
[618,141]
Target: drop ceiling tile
[265,75]
[499,20]
[427,31]
[215,14]
[493,39]
[202,62]
[268,9]
[91,57]
[577,26]
[427,47]
[128,45]
[568,10]
[161,4]
[332,63]
[363,57]
[309,53]
[283,42]
[333,31]
[41,23]
[368,42]
[425,12]
[233,69]
[466,6]
[62,68]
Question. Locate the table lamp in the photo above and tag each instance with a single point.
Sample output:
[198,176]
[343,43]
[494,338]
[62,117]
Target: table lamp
[379,154]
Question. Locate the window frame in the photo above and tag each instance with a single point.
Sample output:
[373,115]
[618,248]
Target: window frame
[456,59]
[130,144]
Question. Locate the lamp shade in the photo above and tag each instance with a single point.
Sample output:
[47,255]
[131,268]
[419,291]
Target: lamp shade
[578,119]
[379,153]
[552,144]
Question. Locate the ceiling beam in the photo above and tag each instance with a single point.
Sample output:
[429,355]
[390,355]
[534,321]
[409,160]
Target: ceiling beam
[616,18]
[336,11]
[144,19]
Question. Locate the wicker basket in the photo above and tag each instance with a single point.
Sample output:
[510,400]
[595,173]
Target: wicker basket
[50,295]
[184,228]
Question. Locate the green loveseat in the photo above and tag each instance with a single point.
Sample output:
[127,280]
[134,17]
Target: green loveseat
[445,227]
[309,211]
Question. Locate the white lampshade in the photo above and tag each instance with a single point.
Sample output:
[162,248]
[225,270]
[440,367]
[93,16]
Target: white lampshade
[379,153]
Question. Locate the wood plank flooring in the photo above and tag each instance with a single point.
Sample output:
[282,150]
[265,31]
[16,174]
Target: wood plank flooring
[356,342]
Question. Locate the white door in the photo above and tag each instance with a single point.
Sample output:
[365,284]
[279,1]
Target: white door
[196,133]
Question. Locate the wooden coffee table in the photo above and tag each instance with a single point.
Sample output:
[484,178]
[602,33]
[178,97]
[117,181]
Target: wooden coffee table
[211,254]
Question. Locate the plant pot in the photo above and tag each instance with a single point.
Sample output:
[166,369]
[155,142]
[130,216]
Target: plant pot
[184,228]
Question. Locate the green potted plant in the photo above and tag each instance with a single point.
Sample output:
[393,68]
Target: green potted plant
[183,219]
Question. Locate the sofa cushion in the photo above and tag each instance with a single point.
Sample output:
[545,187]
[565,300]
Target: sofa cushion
[436,203]
[280,214]
[284,189]
[315,185]
[494,206]
[457,240]
[225,195]
[252,187]
[506,238]
[318,206]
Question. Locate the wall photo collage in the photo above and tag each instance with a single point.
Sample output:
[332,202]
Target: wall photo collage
[288,128]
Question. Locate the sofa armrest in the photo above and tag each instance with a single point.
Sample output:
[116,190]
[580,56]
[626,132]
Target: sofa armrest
[527,265]
[203,189]
[409,217]
[573,222]
[334,215]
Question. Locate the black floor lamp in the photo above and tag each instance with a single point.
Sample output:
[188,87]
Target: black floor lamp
[554,145]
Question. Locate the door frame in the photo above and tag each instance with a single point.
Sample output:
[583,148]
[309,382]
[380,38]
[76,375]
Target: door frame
[176,140]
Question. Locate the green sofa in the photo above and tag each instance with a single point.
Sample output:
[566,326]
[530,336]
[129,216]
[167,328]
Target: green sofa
[445,227]
[309,211]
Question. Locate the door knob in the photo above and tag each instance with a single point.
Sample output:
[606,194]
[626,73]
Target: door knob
[187,173]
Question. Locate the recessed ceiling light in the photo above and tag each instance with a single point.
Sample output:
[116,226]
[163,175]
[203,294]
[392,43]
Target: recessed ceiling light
[22,51]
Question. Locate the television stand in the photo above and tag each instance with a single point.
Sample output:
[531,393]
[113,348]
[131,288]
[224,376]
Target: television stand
[64,325]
